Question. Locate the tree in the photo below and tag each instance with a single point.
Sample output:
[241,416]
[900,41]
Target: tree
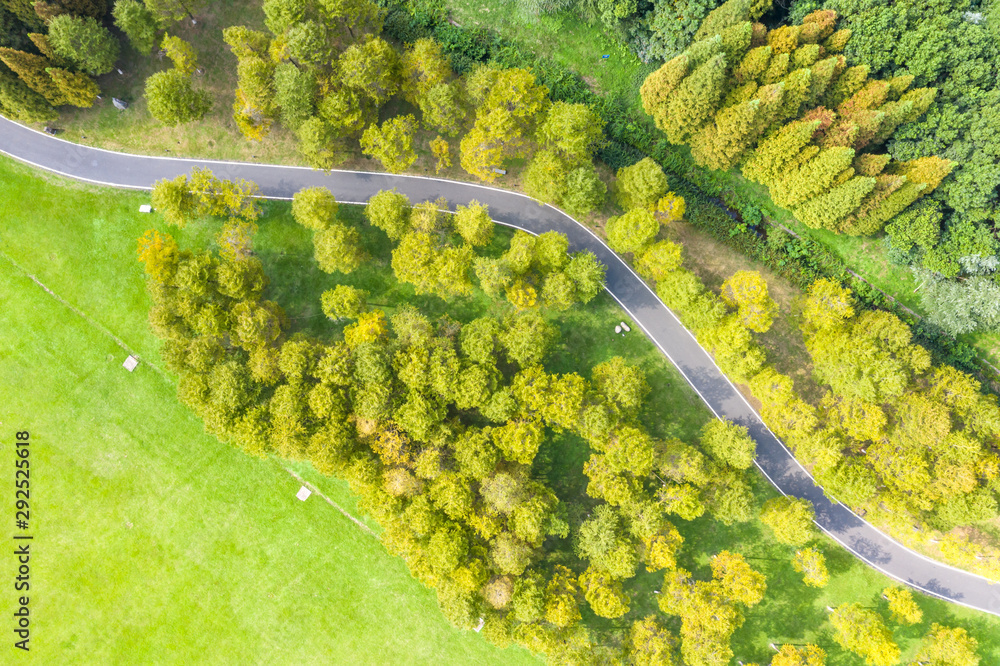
[77,89]
[641,184]
[159,254]
[318,143]
[509,554]
[737,580]
[695,100]
[338,248]
[518,441]
[174,200]
[392,143]
[84,42]
[31,69]
[173,101]
[659,259]
[473,223]
[603,593]
[729,443]
[747,291]
[722,143]
[651,644]
[561,607]
[344,302]
[314,208]
[862,632]
[21,103]
[389,211]
[545,177]
[572,131]
[602,540]
[441,150]
[632,231]
[790,518]
[587,274]
[173,10]
[527,338]
[138,23]
[443,109]
[947,646]
[812,565]
[623,385]
[372,68]
[295,93]
[806,655]
[181,54]
[423,68]
[584,191]
[902,606]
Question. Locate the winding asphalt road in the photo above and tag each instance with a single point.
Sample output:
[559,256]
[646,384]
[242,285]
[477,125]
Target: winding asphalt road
[516,210]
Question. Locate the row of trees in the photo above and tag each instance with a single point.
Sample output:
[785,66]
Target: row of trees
[787,107]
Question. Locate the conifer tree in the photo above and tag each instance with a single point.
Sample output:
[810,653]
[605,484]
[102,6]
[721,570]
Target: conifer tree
[753,65]
[721,144]
[828,209]
[137,22]
[695,100]
[32,70]
[660,85]
[77,89]
[771,157]
[812,178]
[19,102]
[848,83]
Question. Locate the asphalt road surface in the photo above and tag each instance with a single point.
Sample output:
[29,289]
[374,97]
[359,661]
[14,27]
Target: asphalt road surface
[516,210]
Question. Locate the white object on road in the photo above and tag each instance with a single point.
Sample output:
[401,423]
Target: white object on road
[618,329]
[303,493]
[131,363]
[145,208]
[482,623]
[625,326]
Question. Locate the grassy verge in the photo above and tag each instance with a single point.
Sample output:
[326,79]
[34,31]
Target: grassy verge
[164,534]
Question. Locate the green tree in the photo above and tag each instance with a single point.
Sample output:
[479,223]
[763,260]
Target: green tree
[21,103]
[584,191]
[602,541]
[641,184]
[180,53]
[389,211]
[318,143]
[173,10]
[174,200]
[344,302]
[84,42]
[545,177]
[695,100]
[314,208]
[561,606]
[372,68]
[736,579]
[527,338]
[587,274]
[812,565]
[790,518]
[423,68]
[572,131]
[172,100]
[338,248]
[442,151]
[294,93]
[632,231]
[604,593]
[392,143]
[473,223]
[442,108]
[863,632]
[623,385]
[729,443]
[138,23]
[31,69]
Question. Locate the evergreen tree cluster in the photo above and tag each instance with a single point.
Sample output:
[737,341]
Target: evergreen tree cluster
[785,106]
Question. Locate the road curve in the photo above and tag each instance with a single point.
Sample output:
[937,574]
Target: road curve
[517,210]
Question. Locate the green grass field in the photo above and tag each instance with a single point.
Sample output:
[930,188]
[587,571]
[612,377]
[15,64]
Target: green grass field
[156,543]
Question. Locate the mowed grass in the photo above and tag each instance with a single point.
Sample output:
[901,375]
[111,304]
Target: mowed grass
[163,545]
[154,542]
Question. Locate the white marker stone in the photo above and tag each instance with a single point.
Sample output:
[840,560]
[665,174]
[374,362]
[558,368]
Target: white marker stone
[145,208]
[131,363]
[303,493]
[618,329]
[625,326]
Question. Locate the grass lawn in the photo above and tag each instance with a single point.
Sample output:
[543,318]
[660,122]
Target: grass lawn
[161,544]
